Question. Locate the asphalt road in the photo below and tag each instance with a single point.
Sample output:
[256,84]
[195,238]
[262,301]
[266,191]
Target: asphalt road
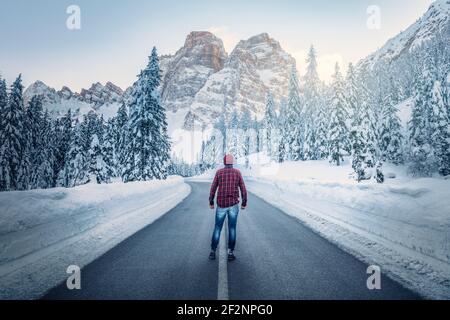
[277,258]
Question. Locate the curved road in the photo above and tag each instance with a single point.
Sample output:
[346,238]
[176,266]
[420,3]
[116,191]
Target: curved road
[277,258]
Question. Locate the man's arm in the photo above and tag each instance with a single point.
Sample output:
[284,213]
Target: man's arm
[212,192]
[243,191]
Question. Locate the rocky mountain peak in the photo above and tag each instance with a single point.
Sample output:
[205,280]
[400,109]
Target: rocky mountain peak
[255,66]
[113,88]
[240,56]
[206,47]
[48,94]
[259,38]
[38,87]
[196,38]
[65,92]
[98,94]
[185,73]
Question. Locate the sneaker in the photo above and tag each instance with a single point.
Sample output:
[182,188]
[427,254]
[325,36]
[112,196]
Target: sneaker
[212,255]
[231,255]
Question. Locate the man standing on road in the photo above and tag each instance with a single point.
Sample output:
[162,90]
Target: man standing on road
[229,181]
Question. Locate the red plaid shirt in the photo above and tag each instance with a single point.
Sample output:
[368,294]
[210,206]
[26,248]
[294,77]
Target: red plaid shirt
[229,181]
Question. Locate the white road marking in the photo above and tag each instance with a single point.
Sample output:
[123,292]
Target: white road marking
[222,288]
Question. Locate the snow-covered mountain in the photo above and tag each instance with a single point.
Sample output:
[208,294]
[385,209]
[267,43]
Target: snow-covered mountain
[255,66]
[104,99]
[434,21]
[185,72]
[100,95]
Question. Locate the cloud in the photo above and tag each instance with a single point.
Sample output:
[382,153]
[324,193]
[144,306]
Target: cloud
[229,38]
[325,63]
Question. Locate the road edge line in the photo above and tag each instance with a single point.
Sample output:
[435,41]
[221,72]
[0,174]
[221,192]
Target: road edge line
[222,287]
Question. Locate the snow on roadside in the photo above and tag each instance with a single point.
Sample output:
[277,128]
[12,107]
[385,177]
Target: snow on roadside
[42,232]
[402,225]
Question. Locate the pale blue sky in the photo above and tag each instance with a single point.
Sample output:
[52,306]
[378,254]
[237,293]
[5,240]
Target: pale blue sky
[116,36]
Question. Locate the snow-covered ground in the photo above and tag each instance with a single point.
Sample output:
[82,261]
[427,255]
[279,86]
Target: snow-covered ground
[42,232]
[402,225]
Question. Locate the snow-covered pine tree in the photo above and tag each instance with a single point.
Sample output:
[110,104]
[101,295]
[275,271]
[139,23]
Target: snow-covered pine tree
[202,160]
[362,141]
[99,171]
[282,120]
[358,152]
[270,118]
[212,152]
[246,121]
[127,172]
[158,121]
[121,138]
[137,151]
[247,150]
[353,95]
[76,168]
[3,160]
[62,140]
[246,125]
[446,88]
[358,134]
[383,97]
[46,175]
[315,115]
[312,85]
[320,145]
[221,127]
[338,132]
[234,132]
[89,126]
[203,163]
[101,127]
[34,147]
[3,101]
[440,129]
[369,134]
[391,136]
[108,148]
[13,167]
[149,146]
[369,120]
[294,125]
[311,78]
[257,129]
[422,158]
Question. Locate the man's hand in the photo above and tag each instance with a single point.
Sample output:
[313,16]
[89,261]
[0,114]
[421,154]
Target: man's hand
[243,207]
[211,206]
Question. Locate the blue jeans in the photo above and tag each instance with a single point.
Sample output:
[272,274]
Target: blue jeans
[221,213]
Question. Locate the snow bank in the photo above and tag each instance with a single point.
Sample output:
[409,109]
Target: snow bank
[42,232]
[402,225]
